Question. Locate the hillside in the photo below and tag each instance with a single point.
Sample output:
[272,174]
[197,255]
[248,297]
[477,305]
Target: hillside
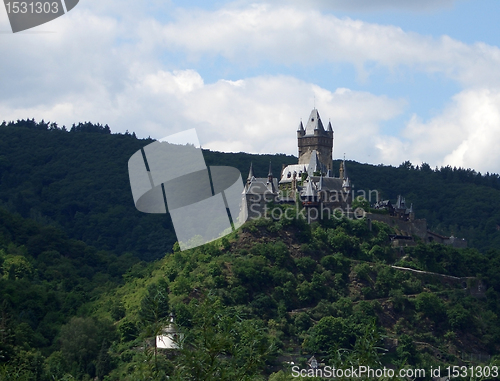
[78,180]
[86,280]
[45,280]
[281,291]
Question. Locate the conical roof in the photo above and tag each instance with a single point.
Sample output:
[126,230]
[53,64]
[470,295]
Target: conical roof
[314,123]
[301,127]
[309,190]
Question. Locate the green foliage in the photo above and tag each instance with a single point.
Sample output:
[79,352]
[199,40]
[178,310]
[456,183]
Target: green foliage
[331,333]
[406,349]
[454,208]
[154,305]
[431,306]
[459,317]
[283,283]
[81,340]
[360,202]
[221,346]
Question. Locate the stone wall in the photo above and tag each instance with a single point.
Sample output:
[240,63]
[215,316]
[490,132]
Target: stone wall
[415,227]
[322,144]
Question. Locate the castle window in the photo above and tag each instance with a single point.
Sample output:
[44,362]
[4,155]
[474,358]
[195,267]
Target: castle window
[289,175]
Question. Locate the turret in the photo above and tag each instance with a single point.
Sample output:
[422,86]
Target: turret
[329,130]
[300,131]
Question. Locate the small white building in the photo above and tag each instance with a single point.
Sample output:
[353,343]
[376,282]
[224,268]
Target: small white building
[170,337]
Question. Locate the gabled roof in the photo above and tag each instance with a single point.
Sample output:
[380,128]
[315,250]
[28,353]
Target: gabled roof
[289,170]
[314,123]
[328,183]
[261,185]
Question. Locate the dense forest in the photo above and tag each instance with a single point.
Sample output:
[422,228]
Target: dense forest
[77,180]
[86,281]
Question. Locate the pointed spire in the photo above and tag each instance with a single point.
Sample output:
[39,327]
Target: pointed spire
[398,202]
[270,174]
[330,128]
[345,169]
[301,126]
[314,164]
[346,184]
[250,173]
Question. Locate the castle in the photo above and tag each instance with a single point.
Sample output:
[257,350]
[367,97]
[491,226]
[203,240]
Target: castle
[312,183]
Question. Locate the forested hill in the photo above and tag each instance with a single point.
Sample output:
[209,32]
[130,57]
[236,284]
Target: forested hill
[455,201]
[77,179]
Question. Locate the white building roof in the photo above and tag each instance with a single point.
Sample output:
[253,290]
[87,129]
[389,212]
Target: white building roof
[287,174]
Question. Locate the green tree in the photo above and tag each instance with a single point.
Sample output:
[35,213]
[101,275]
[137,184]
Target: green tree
[431,306]
[154,312]
[221,345]
[80,340]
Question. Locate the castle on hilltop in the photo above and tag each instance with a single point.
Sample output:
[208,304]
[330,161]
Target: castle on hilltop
[311,181]
[313,184]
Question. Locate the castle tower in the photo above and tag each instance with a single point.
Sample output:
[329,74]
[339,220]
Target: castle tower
[315,138]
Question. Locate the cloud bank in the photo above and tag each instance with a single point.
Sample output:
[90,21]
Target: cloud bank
[120,70]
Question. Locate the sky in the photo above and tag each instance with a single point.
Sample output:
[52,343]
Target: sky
[398,79]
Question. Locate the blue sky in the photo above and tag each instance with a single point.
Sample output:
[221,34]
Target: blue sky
[399,81]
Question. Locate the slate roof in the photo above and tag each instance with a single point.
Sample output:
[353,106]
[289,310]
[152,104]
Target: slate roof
[260,185]
[314,123]
[329,183]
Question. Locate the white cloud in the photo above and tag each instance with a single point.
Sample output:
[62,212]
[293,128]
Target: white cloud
[288,35]
[375,5]
[465,134]
[108,69]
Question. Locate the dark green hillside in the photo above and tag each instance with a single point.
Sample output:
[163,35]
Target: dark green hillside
[45,280]
[278,291]
[272,292]
[78,180]
[454,201]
